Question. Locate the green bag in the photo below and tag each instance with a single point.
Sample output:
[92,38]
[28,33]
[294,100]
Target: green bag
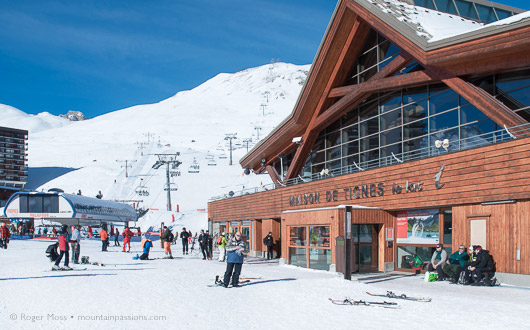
[418,261]
[433,277]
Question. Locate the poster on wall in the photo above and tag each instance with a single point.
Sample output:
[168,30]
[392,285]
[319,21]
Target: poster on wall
[418,227]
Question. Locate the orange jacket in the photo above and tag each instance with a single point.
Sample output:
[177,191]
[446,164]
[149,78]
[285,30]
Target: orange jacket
[103,234]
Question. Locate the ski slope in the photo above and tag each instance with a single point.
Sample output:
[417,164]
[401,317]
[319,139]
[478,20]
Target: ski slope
[90,155]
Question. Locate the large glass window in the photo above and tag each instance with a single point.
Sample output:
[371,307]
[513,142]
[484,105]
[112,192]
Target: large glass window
[309,246]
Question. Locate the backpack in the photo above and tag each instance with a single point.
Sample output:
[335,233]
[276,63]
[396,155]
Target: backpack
[220,240]
[170,237]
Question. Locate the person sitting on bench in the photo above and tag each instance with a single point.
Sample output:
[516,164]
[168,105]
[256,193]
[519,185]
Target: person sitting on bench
[438,261]
[484,266]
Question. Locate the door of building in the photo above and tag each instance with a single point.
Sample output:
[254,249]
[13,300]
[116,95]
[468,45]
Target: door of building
[478,232]
[245,232]
[365,248]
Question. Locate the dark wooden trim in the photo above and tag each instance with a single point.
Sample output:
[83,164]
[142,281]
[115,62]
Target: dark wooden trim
[479,215]
[408,80]
[274,175]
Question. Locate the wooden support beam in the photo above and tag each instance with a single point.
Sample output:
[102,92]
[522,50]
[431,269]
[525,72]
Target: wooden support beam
[408,80]
[482,100]
[334,112]
[350,100]
[274,175]
[349,53]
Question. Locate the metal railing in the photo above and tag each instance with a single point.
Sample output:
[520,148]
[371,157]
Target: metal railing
[499,136]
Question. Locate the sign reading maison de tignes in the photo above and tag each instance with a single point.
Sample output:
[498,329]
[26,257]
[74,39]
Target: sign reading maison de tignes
[370,190]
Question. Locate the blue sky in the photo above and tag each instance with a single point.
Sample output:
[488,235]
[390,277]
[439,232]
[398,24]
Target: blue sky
[101,56]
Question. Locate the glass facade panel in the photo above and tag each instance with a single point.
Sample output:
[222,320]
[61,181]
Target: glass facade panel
[446,6]
[298,257]
[370,142]
[350,133]
[35,204]
[390,136]
[405,255]
[466,9]
[319,236]
[502,14]
[473,135]
[390,101]
[319,259]
[333,153]
[517,99]
[332,139]
[444,120]
[443,101]
[370,126]
[391,119]
[448,227]
[297,236]
[23,204]
[486,13]
[368,110]
[470,114]
[350,148]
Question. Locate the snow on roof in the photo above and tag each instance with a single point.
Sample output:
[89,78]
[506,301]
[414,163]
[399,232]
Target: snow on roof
[434,25]
[427,23]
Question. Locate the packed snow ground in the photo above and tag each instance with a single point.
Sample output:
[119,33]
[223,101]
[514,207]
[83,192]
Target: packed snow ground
[285,297]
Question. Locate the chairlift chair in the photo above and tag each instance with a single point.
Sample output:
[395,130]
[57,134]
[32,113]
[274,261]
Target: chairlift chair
[194,167]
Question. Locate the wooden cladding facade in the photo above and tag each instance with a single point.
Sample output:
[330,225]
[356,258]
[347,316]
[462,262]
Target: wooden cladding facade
[495,172]
[492,173]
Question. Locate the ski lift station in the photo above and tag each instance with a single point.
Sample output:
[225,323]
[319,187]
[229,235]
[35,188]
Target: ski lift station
[66,209]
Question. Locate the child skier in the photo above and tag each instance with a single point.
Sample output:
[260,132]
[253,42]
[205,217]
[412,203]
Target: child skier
[64,239]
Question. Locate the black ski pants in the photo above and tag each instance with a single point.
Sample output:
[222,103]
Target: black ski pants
[3,243]
[184,245]
[232,270]
[269,252]
[66,255]
[204,250]
[104,245]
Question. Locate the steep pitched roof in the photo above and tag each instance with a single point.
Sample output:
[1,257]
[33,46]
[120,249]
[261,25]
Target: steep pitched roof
[434,39]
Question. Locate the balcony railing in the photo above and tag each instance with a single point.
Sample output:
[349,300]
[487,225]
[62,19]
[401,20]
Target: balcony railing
[476,141]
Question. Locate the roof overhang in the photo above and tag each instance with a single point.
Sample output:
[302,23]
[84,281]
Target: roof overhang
[454,53]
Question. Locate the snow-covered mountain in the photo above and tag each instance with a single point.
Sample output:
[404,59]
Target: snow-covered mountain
[90,155]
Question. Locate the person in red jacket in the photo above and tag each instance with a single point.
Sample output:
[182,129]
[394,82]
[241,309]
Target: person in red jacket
[104,239]
[64,240]
[4,236]
[127,234]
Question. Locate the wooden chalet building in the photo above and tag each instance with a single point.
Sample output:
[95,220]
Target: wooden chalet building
[419,119]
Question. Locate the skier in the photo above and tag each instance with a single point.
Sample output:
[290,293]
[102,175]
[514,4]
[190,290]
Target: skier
[221,242]
[167,238]
[64,239]
[176,238]
[185,236]
[116,238]
[51,251]
[104,238]
[127,234]
[45,232]
[268,241]
[4,236]
[234,260]
[203,243]
[147,244]
[76,244]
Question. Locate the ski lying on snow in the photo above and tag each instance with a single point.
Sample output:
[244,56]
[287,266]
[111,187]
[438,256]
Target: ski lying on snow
[67,270]
[352,302]
[390,294]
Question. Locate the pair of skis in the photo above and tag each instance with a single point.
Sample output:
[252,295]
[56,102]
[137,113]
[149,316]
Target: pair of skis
[382,304]
[242,281]
[352,302]
[67,270]
[392,295]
